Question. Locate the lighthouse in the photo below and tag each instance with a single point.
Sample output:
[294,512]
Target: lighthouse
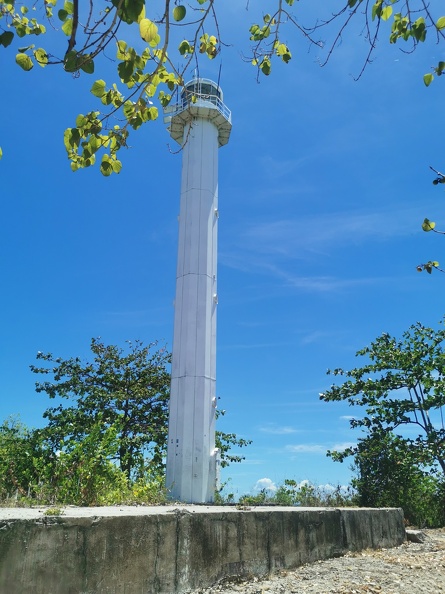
[200,123]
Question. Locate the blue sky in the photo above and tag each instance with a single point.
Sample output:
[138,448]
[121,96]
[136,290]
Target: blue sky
[322,191]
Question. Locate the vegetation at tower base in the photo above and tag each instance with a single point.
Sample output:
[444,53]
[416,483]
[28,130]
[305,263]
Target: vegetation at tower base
[225,441]
[83,39]
[303,494]
[388,473]
[400,394]
[108,445]
[121,397]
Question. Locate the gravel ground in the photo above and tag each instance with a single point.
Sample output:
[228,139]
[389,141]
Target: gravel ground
[412,568]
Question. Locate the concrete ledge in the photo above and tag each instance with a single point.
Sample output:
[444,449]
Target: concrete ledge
[174,549]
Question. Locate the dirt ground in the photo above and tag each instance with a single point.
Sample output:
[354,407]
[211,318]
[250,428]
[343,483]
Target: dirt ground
[412,568]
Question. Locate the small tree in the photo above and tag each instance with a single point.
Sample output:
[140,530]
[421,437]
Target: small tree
[23,457]
[388,474]
[108,446]
[401,386]
[126,391]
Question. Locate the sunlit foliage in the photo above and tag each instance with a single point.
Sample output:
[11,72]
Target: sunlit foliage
[174,36]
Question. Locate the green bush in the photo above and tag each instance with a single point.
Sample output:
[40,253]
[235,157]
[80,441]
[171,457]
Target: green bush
[388,474]
[304,494]
[80,473]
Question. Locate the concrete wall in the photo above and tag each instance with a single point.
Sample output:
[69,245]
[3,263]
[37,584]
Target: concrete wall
[173,550]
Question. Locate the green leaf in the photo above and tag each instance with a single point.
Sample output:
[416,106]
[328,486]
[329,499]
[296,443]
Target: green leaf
[67,27]
[428,79]
[148,30]
[107,97]
[130,11]
[265,66]
[428,225]
[116,165]
[185,48]
[419,29]
[6,38]
[377,9]
[164,99]
[440,24]
[68,6]
[24,62]
[179,13]
[39,30]
[153,113]
[386,13]
[106,167]
[70,62]
[125,70]
[41,57]
[25,48]
[1,152]
[62,14]
[81,121]
[121,50]
[283,51]
[141,15]
[86,65]
[98,88]
[71,138]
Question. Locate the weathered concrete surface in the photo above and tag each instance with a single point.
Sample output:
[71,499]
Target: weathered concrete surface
[171,550]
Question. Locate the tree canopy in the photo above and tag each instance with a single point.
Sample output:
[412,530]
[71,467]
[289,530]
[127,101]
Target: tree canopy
[106,436]
[174,35]
[402,385]
[123,393]
[126,391]
[400,396]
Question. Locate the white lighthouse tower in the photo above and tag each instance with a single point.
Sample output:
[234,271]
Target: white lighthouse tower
[201,123]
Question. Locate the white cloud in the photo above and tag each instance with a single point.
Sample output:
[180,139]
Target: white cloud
[293,237]
[266,484]
[315,337]
[341,447]
[276,430]
[308,448]
[305,448]
[304,483]
[264,264]
[270,246]
[328,488]
[347,417]
[321,284]
[274,168]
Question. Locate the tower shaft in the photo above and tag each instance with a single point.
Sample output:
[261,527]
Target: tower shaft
[201,123]
[191,444]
